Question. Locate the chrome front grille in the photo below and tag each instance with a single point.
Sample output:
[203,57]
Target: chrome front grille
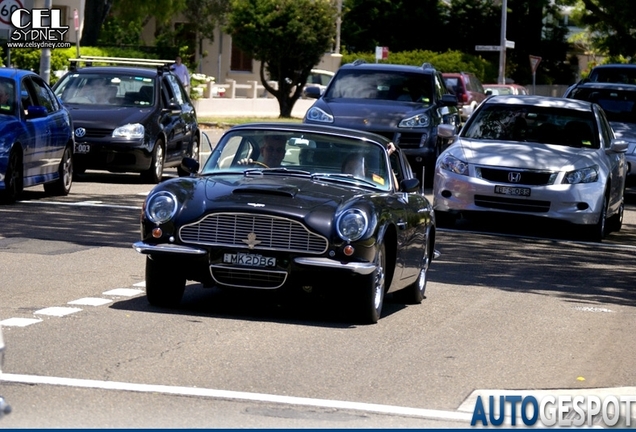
[262,232]
[526,177]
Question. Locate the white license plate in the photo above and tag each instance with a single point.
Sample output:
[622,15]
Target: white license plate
[82,148]
[251,260]
[515,191]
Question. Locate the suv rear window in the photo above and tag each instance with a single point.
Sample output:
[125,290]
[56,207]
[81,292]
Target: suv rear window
[383,85]
[622,75]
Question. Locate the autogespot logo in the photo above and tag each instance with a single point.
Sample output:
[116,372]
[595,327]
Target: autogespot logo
[559,411]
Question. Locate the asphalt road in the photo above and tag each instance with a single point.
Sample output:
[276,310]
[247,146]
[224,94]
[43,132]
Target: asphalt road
[517,306]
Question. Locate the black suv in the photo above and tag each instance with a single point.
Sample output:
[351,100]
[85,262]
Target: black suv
[129,118]
[410,105]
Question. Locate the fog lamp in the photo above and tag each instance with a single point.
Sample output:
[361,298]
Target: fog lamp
[157,233]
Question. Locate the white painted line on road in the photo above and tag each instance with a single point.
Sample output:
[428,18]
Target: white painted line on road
[90,301]
[140,284]
[592,309]
[19,322]
[123,292]
[57,311]
[243,396]
[83,204]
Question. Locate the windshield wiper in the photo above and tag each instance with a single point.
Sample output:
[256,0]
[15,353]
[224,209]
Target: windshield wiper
[286,171]
[344,178]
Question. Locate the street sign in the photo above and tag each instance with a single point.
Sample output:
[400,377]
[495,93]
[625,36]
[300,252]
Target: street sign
[381,53]
[510,44]
[487,47]
[6,9]
[76,19]
[534,63]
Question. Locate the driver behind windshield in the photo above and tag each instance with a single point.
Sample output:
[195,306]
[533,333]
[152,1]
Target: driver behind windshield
[272,152]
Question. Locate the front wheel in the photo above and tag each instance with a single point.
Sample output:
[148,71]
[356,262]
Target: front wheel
[414,293]
[165,284]
[62,186]
[155,173]
[13,178]
[372,295]
[598,231]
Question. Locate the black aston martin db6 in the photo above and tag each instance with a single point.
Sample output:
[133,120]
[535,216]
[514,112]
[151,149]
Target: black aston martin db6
[311,209]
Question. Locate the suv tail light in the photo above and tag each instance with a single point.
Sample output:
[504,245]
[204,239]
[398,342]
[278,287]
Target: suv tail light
[464,98]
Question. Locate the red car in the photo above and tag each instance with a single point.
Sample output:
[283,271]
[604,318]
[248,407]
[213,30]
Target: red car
[468,89]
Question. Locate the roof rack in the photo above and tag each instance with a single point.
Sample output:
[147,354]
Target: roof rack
[358,62]
[427,65]
[89,60]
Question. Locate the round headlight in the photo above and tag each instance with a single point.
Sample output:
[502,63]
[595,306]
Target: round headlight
[352,224]
[161,207]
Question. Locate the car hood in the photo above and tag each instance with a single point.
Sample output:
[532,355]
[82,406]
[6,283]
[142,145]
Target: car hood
[370,114]
[106,117]
[291,194]
[522,155]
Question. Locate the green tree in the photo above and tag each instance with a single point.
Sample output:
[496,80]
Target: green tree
[611,24]
[401,25]
[95,13]
[288,37]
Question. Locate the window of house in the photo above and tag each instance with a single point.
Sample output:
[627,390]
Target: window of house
[240,61]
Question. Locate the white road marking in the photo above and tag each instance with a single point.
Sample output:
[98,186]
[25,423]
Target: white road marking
[235,395]
[57,311]
[19,322]
[123,292]
[90,301]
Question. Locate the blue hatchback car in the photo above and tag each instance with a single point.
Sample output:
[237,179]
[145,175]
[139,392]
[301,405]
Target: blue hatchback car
[36,136]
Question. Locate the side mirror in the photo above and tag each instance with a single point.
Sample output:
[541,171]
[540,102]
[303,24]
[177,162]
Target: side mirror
[190,165]
[445,130]
[35,112]
[312,92]
[619,145]
[410,185]
[449,100]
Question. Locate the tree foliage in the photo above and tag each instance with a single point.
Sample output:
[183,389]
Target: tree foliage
[288,37]
[611,24]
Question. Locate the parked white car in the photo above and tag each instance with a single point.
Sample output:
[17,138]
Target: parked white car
[554,158]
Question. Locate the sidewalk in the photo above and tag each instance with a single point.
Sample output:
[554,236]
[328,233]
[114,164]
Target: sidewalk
[247,107]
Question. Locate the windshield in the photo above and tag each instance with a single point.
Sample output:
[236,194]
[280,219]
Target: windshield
[619,105]
[538,124]
[106,89]
[381,85]
[320,156]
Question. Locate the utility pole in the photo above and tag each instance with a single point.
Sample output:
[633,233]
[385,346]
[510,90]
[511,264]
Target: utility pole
[45,58]
[502,43]
[338,24]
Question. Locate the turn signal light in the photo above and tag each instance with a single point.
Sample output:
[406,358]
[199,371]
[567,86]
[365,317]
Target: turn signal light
[157,233]
[348,250]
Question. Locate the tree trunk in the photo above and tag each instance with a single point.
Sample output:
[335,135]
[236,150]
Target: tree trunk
[95,13]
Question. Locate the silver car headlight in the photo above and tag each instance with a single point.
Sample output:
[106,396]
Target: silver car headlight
[451,163]
[130,131]
[417,121]
[352,224]
[583,175]
[318,115]
[161,207]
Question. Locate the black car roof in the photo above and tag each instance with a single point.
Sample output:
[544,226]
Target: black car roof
[307,127]
[141,71]
[606,85]
[425,68]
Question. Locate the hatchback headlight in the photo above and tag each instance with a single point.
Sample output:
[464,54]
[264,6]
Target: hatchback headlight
[130,131]
[352,224]
[451,163]
[583,175]
[161,207]
[417,121]
[318,115]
